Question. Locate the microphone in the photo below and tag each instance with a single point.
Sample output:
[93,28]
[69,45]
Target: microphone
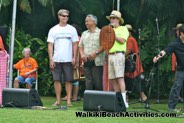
[156,20]
[139,30]
[160,54]
[111,24]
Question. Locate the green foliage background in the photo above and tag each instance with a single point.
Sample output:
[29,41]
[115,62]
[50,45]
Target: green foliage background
[36,17]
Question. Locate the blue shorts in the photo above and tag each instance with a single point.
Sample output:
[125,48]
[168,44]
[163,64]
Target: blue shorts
[76,83]
[26,80]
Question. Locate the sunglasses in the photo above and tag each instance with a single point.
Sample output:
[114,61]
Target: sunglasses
[113,18]
[64,16]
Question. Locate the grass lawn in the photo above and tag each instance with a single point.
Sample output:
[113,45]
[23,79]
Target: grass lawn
[17,115]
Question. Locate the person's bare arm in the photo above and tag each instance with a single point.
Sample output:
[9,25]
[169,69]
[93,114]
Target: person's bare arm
[75,50]
[50,52]
[120,40]
[83,56]
[30,72]
[95,53]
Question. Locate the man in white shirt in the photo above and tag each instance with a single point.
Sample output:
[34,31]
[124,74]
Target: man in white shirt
[62,48]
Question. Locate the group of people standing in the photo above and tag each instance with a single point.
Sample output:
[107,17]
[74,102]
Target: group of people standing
[64,46]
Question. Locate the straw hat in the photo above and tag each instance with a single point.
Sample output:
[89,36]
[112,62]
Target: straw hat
[177,26]
[129,27]
[116,14]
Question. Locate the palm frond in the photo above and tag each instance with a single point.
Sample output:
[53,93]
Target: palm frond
[5,2]
[25,6]
[45,2]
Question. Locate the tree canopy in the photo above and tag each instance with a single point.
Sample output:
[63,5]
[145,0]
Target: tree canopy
[36,17]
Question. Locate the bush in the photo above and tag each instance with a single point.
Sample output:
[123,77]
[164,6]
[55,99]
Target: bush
[150,45]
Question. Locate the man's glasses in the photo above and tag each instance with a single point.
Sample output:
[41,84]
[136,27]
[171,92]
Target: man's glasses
[64,16]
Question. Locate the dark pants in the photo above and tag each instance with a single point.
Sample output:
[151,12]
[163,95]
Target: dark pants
[133,84]
[93,77]
[175,90]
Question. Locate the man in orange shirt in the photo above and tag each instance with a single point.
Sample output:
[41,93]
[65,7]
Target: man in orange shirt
[27,70]
[134,77]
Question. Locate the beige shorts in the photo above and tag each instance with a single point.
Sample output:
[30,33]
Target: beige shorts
[116,66]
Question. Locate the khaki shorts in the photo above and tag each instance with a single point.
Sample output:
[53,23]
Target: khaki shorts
[116,66]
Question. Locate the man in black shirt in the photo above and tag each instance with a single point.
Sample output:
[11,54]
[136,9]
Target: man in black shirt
[178,48]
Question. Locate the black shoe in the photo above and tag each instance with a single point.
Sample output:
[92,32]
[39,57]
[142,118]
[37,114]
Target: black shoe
[181,100]
[144,101]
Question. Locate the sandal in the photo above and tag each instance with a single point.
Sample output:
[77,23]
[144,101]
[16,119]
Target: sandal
[55,104]
[69,104]
[75,100]
[64,98]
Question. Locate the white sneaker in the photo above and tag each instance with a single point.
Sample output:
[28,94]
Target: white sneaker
[126,105]
[124,100]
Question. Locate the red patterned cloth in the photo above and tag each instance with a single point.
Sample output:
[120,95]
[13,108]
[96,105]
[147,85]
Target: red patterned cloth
[173,62]
[3,71]
[107,84]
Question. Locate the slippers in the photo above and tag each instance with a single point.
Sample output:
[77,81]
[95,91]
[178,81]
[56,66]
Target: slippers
[69,104]
[75,100]
[55,104]
[64,99]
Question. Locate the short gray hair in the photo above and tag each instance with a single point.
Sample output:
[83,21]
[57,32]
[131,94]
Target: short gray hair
[27,48]
[62,11]
[93,17]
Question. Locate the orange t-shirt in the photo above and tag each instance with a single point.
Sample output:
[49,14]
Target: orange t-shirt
[25,66]
[133,47]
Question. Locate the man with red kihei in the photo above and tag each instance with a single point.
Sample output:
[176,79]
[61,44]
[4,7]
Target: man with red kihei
[134,78]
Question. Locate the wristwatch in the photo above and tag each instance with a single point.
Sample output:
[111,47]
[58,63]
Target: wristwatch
[97,52]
